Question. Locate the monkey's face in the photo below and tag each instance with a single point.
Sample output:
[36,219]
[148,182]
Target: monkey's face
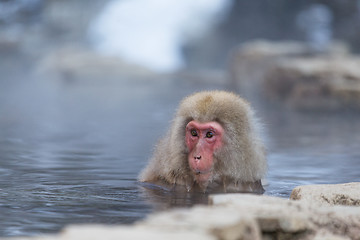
[202,140]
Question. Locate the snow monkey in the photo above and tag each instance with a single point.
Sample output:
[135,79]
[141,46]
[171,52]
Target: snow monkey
[212,146]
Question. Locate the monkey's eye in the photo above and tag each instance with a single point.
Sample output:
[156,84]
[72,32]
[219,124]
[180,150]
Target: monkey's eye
[209,134]
[193,133]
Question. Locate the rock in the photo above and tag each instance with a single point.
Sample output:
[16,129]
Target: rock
[272,214]
[251,62]
[72,64]
[322,235]
[217,221]
[98,232]
[245,216]
[329,195]
[316,83]
[281,218]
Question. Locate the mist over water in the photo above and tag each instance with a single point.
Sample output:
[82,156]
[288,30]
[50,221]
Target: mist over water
[73,140]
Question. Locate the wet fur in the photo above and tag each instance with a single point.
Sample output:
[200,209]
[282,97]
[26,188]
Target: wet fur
[242,160]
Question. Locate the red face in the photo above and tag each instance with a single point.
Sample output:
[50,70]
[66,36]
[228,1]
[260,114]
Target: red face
[202,139]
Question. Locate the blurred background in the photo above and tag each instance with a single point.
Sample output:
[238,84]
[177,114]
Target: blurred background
[88,87]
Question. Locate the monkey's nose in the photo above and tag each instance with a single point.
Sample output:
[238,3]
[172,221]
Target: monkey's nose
[197,157]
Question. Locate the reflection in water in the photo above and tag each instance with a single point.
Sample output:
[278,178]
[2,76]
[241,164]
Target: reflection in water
[72,153]
[162,198]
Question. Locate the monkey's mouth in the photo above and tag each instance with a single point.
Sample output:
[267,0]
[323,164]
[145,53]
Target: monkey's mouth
[202,176]
[198,172]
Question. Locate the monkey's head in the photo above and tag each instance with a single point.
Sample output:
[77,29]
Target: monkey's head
[214,134]
[212,141]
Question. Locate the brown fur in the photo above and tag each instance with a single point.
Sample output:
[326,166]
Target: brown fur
[241,160]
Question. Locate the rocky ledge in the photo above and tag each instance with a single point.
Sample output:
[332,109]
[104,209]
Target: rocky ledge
[290,74]
[347,194]
[316,83]
[312,212]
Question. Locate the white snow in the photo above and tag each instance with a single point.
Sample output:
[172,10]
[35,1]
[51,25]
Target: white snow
[151,32]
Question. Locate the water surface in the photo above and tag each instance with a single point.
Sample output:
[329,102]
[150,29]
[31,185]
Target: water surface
[70,152]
